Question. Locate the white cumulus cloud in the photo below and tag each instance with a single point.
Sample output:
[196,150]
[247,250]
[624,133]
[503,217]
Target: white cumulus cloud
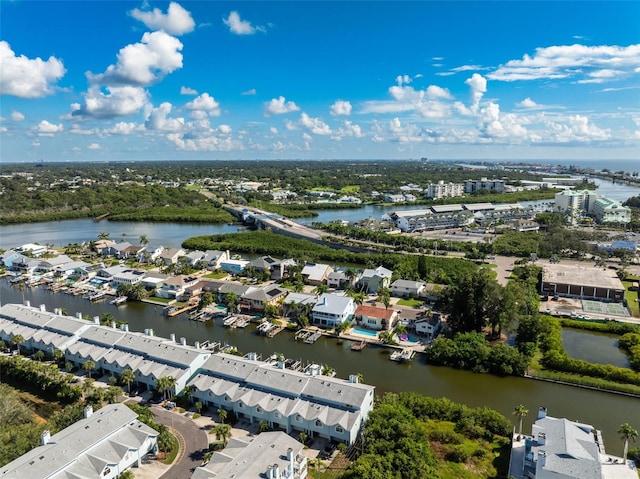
[122,128]
[250,92]
[240,27]
[143,63]
[279,106]
[185,90]
[205,102]
[45,128]
[341,107]
[27,78]
[176,21]
[158,119]
[315,125]
[567,61]
[17,116]
[93,146]
[119,101]
[528,103]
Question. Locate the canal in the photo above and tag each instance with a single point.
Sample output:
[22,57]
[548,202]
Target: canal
[603,410]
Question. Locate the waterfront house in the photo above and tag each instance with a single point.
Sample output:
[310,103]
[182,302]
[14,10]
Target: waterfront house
[403,288]
[121,274]
[233,266]
[315,273]
[237,289]
[152,280]
[194,258]
[101,445]
[332,310]
[289,400]
[372,280]
[9,257]
[340,280]
[100,245]
[393,198]
[561,448]
[78,269]
[273,455]
[429,326]
[213,258]
[255,300]
[49,264]
[171,255]
[34,250]
[262,264]
[280,269]
[175,286]
[296,303]
[372,317]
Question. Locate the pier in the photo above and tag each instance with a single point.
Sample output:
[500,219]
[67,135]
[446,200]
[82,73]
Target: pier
[172,311]
[313,338]
[359,346]
[402,355]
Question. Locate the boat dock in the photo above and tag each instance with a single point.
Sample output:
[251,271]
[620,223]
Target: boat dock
[97,296]
[402,355]
[229,321]
[242,323]
[358,346]
[313,338]
[172,311]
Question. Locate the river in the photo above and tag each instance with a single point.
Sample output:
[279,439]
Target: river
[62,233]
[603,410]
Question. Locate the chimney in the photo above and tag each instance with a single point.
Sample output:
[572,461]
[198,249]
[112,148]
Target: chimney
[88,412]
[113,324]
[150,332]
[183,341]
[353,378]
[280,364]
[45,437]
[79,315]
[124,327]
[542,459]
[290,454]
[27,303]
[542,412]
[252,356]
[196,345]
[57,311]
[172,337]
[542,439]
[269,472]
[43,308]
[276,471]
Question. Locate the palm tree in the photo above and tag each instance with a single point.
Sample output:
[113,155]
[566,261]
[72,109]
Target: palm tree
[21,289]
[57,355]
[103,236]
[223,433]
[627,433]
[359,297]
[166,385]
[222,415]
[127,377]
[263,426]
[17,340]
[198,406]
[39,355]
[88,366]
[321,289]
[303,437]
[112,394]
[144,241]
[520,412]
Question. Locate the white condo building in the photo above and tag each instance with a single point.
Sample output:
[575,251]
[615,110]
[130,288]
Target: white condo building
[587,202]
[441,189]
[102,445]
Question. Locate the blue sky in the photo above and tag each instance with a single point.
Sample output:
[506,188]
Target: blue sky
[119,80]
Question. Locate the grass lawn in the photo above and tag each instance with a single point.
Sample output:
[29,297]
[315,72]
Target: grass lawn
[631,297]
[350,189]
[412,303]
[215,275]
[157,299]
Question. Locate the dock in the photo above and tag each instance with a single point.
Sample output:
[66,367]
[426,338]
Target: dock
[97,296]
[402,355]
[303,334]
[229,321]
[176,310]
[313,338]
[242,322]
[359,346]
[273,331]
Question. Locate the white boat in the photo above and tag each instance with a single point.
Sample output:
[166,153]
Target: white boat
[119,300]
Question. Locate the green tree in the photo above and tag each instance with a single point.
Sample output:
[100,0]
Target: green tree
[89,365]
[263,426]
[231,301]
[166,386]
[321,289]
[627,433]
[223,433]
[38,355]
[198,406]
[520,412]
[206,299]
[222,415]
[17,340]
[144,240]
[127,377]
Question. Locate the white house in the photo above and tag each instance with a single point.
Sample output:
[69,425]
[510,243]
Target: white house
[372,317]
[403,288]
[562,449]
[102,445]
[274,455]
[332,310]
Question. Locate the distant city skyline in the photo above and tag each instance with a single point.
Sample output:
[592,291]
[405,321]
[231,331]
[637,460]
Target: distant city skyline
[170,81]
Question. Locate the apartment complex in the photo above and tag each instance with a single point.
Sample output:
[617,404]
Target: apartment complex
[577,204]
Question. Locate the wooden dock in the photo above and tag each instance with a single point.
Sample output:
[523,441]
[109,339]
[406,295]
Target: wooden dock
[273,331]
[358,346]
[176,310]
[402,355]
[313,338]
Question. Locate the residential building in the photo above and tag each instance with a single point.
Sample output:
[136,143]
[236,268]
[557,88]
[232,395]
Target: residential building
[262,264]
[286,400]
[11,256]
[175,286]
[403,288]
[171,255]
[372,317]
[50,264]
[429,326]
[281,269]
[35,250]
[195,257]
[274,455]
[316,273]
[337,279]
[127,276]
[213,258]
[233,266]
[441,189]
[295,303]
[332,310]
[256,299]
[435,217]
[562,449]
[393,198]
[78,269]
[484,184]
[580,203]
[372,280]
[102,445]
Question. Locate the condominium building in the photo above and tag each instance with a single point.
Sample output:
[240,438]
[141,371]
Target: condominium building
[587,202]
[441,189]
[485,184]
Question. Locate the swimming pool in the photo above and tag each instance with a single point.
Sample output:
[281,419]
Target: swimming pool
[365,332]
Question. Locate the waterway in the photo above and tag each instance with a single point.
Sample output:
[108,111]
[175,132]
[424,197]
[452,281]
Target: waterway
[603,410]
[62,233]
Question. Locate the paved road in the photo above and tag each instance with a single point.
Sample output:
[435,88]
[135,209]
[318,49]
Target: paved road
[193,443]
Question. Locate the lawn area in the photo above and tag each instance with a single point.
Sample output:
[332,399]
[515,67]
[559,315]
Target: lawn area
[631,297]
[217,275]
[349,189]
[157,299]
[412,303]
